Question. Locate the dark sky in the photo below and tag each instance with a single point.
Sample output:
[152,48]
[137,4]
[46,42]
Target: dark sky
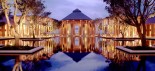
[61,8]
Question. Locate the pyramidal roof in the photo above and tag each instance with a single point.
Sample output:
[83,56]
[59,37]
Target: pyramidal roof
[151,20]
[76,15]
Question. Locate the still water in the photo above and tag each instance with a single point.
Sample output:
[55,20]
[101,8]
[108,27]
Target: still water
[76,54]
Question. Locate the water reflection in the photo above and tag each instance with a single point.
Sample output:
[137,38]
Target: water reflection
[56,49]
[78,44]
[110,51]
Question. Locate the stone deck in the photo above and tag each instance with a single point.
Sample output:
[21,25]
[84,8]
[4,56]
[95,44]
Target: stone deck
[122,48]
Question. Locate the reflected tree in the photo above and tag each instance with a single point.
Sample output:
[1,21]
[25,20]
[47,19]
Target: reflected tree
[25,8]
[134,13]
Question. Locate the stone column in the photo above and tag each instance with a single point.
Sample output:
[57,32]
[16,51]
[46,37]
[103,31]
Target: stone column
[82,28]
[90,28]
[86,28]
[63,28]
[72,28]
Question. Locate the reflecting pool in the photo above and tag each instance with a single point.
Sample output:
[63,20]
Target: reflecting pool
[77,54]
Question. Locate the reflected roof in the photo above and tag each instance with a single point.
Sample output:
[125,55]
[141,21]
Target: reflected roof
[77,56]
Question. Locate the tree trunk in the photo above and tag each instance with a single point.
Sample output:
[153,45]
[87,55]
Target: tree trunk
[142,34]
[17,41]
[8,20]
[143,40]
[33,27]
[123,38]
[33,44]
[16,36]
[142,64]
[34,35]
[16,26]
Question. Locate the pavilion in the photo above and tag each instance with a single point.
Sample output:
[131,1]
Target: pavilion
[77,24]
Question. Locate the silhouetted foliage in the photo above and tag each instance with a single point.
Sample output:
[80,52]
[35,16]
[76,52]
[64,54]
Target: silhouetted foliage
[132,12]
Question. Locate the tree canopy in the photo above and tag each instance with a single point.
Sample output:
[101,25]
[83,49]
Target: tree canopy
[132,12]
[131,9]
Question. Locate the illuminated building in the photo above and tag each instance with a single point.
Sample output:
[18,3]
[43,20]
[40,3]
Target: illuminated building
[111,28]
[77,24]
[28,27]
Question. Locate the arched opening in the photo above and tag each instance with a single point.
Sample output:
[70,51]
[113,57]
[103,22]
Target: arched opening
[77,41]
[76,29]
